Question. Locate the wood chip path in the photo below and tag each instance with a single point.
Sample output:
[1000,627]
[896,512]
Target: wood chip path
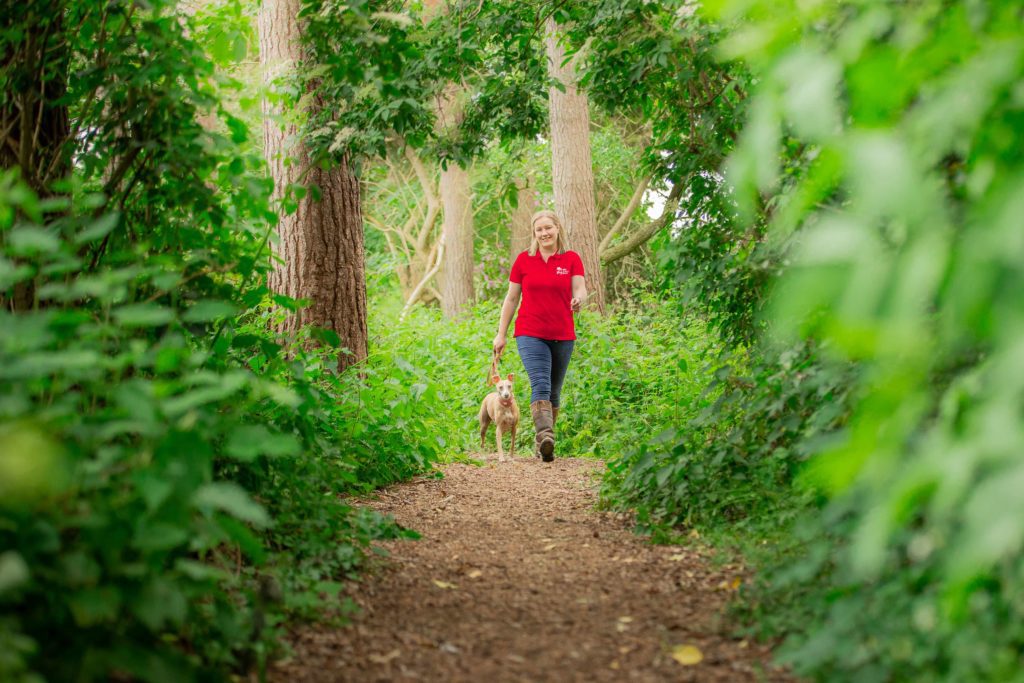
[519,578]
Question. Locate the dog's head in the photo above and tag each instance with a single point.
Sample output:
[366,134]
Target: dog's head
[503,386]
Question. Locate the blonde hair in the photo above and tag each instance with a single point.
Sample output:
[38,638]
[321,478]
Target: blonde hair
[561,242]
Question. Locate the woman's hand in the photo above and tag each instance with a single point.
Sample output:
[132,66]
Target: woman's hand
[499,344]
[579,293]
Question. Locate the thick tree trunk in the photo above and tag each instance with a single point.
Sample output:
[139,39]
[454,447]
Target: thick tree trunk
[522,231]
[571,166]
[321,243]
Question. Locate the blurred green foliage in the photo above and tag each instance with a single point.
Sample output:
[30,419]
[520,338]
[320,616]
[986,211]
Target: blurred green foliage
[868,221]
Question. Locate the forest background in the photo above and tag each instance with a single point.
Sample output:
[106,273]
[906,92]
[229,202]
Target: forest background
[251,259]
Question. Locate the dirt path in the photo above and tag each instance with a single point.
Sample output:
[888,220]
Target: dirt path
[518,578]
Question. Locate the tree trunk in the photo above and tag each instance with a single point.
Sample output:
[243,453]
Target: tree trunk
[321,242]
[572,170]
[457,226]
[522,231]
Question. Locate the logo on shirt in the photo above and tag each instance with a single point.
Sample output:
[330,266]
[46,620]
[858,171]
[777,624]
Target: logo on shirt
[559,270]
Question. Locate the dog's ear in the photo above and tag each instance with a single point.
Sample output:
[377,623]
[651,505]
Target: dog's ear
[510,375]
[495,379]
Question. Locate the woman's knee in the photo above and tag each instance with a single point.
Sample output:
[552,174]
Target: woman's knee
[540,390]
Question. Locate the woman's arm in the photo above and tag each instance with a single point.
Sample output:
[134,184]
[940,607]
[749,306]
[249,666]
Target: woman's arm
[579,292]
[508,309]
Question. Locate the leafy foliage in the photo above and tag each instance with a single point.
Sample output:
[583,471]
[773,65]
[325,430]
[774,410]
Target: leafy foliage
[171,477]
[874,171]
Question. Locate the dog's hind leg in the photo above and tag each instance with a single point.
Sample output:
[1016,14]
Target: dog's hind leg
[485,421]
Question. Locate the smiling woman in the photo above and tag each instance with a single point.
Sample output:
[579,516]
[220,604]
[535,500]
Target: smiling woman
[548,279]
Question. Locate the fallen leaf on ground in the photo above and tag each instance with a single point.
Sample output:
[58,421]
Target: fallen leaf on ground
[384,659]
[550,546]
[475,574]
[444,584]
[676,558]
[687,655]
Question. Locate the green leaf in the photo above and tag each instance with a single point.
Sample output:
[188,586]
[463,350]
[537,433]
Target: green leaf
[98,228]
[208,310]
[159,536]
[143,315]
[94,606]
[30,240]
[160,602]
[246,539]
[250,441]
[231,498]
[13,571]
[197,571]
[11,274]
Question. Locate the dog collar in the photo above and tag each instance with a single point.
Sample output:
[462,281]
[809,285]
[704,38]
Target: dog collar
[504,402]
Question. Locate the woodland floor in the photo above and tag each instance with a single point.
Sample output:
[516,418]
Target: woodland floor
[519,578]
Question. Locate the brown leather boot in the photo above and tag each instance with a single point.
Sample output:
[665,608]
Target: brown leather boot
[543,423]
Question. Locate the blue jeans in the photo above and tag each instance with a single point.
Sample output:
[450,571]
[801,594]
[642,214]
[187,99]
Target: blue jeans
[545,361]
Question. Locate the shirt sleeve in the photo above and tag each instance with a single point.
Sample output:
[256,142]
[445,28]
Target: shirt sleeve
[576,266]
[516,274]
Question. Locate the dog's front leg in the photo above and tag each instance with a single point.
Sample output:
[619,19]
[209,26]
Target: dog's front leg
[512,446]
[497,434]
[485,421]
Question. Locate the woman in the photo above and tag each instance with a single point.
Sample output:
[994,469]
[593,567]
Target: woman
[549,280]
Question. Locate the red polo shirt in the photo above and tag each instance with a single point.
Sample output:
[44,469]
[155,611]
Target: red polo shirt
[547,291]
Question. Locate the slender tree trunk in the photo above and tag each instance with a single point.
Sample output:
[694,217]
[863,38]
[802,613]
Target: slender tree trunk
[571,166]
[457,226]
[522,231]
[321,242]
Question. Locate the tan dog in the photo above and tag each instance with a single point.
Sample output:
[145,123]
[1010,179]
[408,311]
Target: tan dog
[500,407]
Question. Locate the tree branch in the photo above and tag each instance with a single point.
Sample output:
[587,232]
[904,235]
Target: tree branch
[645,233]
[426,278]
[627,213]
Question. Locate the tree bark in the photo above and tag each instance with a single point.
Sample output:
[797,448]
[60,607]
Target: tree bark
[522,231]
[571,165]
[457,227]
[321,243]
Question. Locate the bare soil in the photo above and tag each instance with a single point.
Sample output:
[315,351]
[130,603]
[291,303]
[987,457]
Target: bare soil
[518,578]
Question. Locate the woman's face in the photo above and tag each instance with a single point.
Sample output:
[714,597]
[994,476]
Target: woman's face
[546,232]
